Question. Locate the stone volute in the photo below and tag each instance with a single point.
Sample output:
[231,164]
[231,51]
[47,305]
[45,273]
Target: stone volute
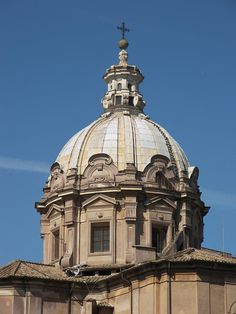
[121,190]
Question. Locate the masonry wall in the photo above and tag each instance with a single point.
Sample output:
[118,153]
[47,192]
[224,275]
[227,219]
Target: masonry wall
[184,292]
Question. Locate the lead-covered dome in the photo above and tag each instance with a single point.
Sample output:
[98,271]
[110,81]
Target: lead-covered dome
[127,138]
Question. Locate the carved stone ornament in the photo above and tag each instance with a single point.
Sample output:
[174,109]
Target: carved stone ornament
[100,170]
[106,101]
[159,171]
[138,101]
[57,177]
[123,57]
[194,173]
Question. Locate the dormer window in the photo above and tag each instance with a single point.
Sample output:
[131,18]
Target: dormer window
[129,87]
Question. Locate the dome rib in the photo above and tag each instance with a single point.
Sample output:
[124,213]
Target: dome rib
[109,145]
[128,139]
[134,141]
[169,147]
[85,130]
[177,153]
[85,140]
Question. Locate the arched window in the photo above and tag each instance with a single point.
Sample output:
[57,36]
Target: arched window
[119,86]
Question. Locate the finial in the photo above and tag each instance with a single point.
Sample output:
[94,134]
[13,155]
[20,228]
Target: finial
[123,43]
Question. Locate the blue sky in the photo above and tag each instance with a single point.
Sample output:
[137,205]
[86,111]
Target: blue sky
[52,58]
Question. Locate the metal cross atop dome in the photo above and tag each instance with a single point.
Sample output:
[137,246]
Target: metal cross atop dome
[123,29]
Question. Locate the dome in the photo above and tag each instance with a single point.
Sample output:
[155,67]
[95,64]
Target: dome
[126,138]
[123,131]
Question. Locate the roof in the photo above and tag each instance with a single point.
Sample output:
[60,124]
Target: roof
[203,255]
[126,138]
[29,270]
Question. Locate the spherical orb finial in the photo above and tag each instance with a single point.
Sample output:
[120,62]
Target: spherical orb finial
[123,43]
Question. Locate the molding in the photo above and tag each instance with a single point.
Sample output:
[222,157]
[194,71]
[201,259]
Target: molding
[156,200]
[97,197]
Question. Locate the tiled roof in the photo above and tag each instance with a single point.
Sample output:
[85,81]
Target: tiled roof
[30,270]
[204,255]
[23,269]
[20,268]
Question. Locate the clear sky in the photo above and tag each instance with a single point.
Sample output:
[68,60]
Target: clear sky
[52,58]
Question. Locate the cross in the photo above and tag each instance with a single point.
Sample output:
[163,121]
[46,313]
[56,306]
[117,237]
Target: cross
[123,29]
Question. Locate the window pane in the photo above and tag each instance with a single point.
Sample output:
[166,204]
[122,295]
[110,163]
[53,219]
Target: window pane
[100,234]
[158,237]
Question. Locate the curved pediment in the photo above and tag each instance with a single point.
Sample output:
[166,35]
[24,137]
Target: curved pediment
[100,171]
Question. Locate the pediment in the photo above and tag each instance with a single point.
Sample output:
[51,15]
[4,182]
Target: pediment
[99,200]
[53,211]
[158,201]
[100,169]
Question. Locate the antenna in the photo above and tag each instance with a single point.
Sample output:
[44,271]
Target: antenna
[223,234]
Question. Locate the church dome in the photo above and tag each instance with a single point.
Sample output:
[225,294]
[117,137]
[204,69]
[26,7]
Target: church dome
[123,131]
[127,138]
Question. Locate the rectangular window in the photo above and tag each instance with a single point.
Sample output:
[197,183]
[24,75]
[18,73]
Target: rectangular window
[100,237]
[118,100]
[131,100]
[56,244]
[158,238]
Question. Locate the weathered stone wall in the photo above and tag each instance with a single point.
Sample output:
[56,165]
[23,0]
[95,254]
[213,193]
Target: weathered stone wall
[182,292]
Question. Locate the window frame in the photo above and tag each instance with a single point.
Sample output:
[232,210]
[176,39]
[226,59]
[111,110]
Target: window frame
[162,230]
[55,257]
[99,224]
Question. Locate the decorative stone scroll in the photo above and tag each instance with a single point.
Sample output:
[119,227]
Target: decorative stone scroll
[160,172]
[100,171]
[57,177]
